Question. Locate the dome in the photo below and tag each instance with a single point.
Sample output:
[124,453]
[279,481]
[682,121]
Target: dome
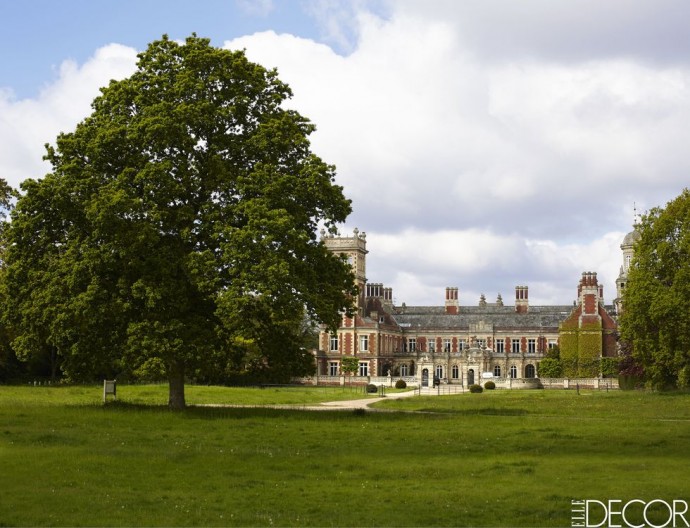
[631,238]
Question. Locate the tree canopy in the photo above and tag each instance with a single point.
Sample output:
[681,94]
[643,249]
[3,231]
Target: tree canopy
[656,300]
[176,232]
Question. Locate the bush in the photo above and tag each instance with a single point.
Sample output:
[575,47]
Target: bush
[489,385]
[630,382]
[476,388]
[371,388]
[400,384]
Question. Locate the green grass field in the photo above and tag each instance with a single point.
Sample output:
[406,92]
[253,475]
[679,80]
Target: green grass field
[502,458]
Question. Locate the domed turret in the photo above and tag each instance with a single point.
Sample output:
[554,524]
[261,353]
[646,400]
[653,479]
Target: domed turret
[622,280]
[630,239]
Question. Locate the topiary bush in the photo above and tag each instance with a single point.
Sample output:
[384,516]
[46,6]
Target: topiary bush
[489,385]
[476,388]
[400,384]
[371,388]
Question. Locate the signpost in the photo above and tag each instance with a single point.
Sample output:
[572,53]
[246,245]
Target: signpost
[109,388]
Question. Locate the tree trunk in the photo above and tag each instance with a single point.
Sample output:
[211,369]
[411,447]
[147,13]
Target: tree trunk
[176,399]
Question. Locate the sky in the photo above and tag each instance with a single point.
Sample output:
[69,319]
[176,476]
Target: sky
[485,144]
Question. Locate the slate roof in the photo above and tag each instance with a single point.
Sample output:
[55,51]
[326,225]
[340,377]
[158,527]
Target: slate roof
[421,318]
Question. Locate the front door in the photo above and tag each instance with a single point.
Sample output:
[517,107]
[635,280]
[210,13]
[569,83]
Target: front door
[425,378]
[470,377]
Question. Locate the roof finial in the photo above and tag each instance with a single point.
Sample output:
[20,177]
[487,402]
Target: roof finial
[634,214]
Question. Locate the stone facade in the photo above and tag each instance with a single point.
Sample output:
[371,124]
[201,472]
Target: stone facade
[460,344]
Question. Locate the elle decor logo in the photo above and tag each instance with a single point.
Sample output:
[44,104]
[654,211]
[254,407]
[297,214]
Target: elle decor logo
[635,513]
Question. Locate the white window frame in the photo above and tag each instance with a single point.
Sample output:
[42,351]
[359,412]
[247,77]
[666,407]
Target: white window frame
[447,345]
[333,342]
[364,368]
[431,345]
[500,346]
[513,348]
[364,343]
[497,371]
[439,371]
[411,344]
[513,371]
[403,369]
[455,372]
[333,368]
[531,346]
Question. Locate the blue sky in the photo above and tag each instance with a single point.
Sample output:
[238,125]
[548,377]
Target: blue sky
[39,34]
[485,144]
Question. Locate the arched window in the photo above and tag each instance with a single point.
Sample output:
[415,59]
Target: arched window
[439,371]
[456,372]
[403,369]
[497,371]
[513,371]
[530,372]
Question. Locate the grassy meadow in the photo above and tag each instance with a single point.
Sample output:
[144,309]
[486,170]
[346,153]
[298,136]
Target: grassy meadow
[501,458]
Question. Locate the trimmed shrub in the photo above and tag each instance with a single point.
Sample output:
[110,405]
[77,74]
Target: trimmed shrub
[371,388]
[476,388]
[489,385]
[400,384]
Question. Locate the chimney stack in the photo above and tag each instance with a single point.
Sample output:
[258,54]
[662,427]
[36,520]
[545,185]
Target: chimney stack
[452,304]
[521,299]
[590,293]
[388,296]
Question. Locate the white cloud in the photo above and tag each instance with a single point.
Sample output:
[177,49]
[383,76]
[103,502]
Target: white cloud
[27,125]
[471,162]
[256,7]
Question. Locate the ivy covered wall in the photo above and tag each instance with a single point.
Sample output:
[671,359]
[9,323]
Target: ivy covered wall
[581,348]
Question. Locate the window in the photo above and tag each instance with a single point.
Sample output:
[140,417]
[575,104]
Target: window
[446,345]
[552,343]
[334,342]
[412,344]
[403,369]
[515,346]
[364,343]
[333,368]
[481,343]
[462,344]
[432,345]
[439,371]
[531,346]
[497,371]
[364,369]
[455,372]
[500,346]
[530,371]
[513,371]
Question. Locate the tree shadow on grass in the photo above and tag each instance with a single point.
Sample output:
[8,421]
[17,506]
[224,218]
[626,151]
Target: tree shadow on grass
[476,412]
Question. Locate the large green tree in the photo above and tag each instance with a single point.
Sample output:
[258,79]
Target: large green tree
[7,357]
[656,301]
[176,232]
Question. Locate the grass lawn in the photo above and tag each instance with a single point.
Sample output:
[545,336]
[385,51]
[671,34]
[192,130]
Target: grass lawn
[501,458]
[154,395]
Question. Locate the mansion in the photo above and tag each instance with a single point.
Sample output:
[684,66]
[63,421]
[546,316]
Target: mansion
[461,344]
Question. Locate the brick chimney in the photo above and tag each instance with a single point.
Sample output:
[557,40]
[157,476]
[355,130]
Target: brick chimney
[452,303]
[590,295]
[521,299]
